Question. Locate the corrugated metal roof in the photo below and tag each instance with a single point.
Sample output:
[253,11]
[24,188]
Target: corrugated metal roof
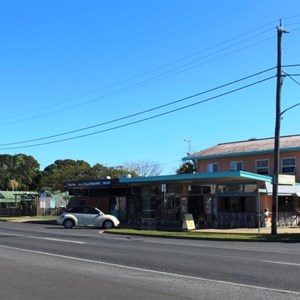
[6,194]
[283,190]
[8,200]
[251,146]
[9,196]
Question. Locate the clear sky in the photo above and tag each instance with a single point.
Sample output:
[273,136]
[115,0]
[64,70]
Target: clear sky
[99,75]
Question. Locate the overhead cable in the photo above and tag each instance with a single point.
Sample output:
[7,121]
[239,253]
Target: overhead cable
[179,69]
[141,120]
[141,112]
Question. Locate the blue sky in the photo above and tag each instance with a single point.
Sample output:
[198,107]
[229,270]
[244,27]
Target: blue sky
[71,65]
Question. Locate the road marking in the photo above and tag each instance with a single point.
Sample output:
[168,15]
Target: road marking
[43,238]
[152,271]
[22,229]
[11,234]
[281,263]
[46,232]
[55,240]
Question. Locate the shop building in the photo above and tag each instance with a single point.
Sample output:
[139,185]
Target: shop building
[216,200]
[231,188]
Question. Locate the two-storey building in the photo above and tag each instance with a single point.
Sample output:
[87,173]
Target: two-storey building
[257,156]
[253,155]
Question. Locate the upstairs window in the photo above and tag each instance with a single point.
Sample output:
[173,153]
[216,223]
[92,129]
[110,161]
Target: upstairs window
[236,166]
[212,167]
[288,165]
[262,167]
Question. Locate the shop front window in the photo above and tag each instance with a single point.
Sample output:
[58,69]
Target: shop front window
[118,207]
[163,202]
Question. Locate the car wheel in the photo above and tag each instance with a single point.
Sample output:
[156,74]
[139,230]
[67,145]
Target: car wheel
[108,224]
[68,223]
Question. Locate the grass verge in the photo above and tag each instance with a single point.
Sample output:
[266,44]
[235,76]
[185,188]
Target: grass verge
[285,237]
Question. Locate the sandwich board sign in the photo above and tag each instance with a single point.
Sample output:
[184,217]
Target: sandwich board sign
[188,222]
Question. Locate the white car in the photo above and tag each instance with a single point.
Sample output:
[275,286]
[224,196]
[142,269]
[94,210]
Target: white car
[87,216]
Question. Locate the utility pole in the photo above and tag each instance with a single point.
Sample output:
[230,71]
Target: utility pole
[280,31]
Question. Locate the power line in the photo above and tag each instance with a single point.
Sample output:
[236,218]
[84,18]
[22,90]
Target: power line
[291,77]
[150,80]
[141,112]
[141,120]
[291,66]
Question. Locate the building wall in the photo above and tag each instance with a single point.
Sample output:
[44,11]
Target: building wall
[102,203]
[249,162]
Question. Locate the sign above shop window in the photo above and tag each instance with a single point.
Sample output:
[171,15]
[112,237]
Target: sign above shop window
[92,183]
[286,179]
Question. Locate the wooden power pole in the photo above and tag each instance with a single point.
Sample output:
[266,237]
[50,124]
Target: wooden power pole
[280,31]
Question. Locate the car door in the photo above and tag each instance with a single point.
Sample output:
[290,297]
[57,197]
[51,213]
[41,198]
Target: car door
[78,214]
[91,216]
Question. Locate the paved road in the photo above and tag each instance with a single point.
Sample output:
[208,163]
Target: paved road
[49,262]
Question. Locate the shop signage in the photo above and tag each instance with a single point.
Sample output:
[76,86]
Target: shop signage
[286,179]
[188,222]
[92,183]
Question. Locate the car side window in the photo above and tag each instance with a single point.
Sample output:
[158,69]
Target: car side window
[95,211]
[73,210]
[89,210]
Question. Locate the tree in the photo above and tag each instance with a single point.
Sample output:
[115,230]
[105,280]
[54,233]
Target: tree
[6,166]
[36,184]
[25,170]
[186,168]
[20,167]
[101,171]
[143,168]
[13,184]
[61,171]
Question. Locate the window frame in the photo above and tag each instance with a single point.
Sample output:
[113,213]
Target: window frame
[288,166]
[214,169]
[236,163]
[262,168]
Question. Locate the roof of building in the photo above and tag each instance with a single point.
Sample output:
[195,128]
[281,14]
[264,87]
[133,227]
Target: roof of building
[283,190]
[12,196]
[248,147]
[230,176]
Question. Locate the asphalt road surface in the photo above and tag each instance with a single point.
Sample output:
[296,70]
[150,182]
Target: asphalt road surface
[39,261]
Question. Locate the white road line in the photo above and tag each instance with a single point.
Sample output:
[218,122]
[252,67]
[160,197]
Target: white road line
[152,271]
[55,240]
[201,245]
[11,234]
[281,263]
[44,232]
[43,238]
[22,229]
